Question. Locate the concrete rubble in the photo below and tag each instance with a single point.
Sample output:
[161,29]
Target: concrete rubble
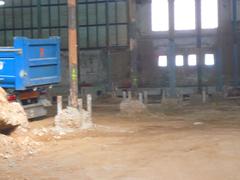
[12,114]
[18,147]
[132,107]
[71,118]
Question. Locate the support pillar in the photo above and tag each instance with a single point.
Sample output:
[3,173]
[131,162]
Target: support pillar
[129,95]
[73,52]
[59,104]
[89,104]
[219,70]
[80,104]
[199,45]
[124,95]
[235,44]
[145,94]
[140,97]
[171,52]
[133,43]
[39,16]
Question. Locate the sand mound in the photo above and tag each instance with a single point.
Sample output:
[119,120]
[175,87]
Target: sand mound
[11,114]
[132,107]
[72,118]
[17,147]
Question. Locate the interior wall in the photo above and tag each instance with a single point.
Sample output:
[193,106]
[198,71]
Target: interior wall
[94,65]
[153,44]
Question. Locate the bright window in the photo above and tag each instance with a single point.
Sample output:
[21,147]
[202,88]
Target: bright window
[162,61]
[184,14]
[179,60]
[192,60]
[160,21]
[209,14]
[209,59]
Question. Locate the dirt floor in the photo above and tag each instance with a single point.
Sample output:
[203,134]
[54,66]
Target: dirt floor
[182,143]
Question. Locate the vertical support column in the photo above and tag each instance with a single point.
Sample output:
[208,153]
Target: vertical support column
[108,51]
[80,103]
[73,52]
[145,94]
[124,95]
[140,97]
[59,104]
[221,43]
[235,44]
[171,52]
[218,56]
[109,64]
[204,96]
[133,43]
[129,95]
[164,95]
[89,104]
[39,15]
[199,44]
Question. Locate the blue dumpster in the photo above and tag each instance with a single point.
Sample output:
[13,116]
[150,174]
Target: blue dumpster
[30,63]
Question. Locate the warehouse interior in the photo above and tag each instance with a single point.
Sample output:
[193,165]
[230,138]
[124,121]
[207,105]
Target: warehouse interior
[142,89]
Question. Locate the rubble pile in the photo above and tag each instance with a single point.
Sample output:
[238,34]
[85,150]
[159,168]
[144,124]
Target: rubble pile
[12,114]
[20,146]
[132,107]
[72,118]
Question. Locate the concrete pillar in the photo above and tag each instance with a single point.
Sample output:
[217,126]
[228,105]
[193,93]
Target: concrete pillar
[199,44]
[171,51]
[219,70]
[140,97]
[89,104]
[59,104]
[73,51]
[235,43]
[124,95]
[80,103]
[133,41]
[164,95]
[204,96]
[145,94]
[129,95]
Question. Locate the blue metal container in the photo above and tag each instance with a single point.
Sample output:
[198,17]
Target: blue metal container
[30,63]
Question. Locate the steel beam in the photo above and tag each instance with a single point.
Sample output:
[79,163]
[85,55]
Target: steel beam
[73,53]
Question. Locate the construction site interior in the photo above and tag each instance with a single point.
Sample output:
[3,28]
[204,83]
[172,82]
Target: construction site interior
[119,89]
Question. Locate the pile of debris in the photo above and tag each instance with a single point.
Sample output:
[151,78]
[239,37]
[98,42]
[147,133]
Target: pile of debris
[13,119]
[12,115]
[18,147]
[72,118]
[132,107]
